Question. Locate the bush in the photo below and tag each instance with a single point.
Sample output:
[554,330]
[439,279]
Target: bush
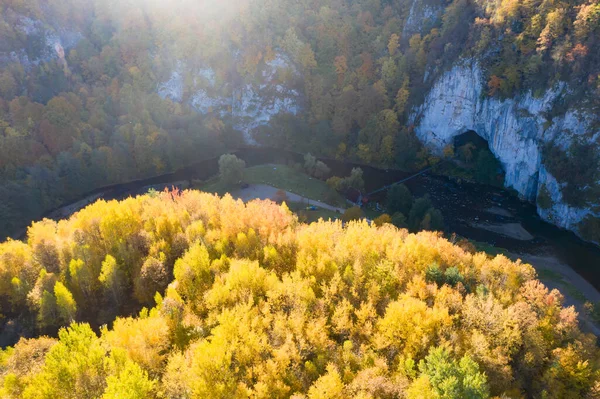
[418,212]
[433,220]
[399,199]
[314,167]
[399,220]
[452,276]
[544,201]
[423,216]
[434,274]
[231,168]
[355,180]
[354,213]
[337,183]
[331,197]
[383,219]
[589,228]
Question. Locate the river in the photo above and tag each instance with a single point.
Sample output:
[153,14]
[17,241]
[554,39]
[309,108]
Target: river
[475,211]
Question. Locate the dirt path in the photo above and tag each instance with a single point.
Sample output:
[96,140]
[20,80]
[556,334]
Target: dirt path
[263,191]
[499,211]
[512,230]
[576,290]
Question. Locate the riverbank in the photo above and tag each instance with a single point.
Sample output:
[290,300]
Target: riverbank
[512,230]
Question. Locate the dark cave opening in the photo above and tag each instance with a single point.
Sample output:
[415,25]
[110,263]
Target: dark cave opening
[475,160]
[470,136]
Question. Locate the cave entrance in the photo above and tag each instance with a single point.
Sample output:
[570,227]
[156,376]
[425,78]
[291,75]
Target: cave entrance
[471,136]
[475,160]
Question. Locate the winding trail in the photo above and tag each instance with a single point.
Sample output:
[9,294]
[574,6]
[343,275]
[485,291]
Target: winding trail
[264,191]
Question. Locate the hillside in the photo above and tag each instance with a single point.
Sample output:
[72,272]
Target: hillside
[100,92]
[244,301]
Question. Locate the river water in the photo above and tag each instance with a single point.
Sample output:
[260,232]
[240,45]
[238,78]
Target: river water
[464,205]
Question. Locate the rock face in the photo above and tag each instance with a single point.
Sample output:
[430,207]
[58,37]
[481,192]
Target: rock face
[422,16]
[45,42]
[248,105]
[516,129]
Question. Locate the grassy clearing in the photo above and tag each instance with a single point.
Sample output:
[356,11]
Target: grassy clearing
[214,185]
[550,275]
[488,248]
[283,177]
[575,293]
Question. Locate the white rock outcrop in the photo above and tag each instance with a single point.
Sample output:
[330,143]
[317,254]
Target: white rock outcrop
[248,105]
[53,42]
[515,129]
[421,17]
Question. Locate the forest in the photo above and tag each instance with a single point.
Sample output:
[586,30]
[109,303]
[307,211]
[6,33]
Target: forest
[87,115]
[186,294]
[190,295]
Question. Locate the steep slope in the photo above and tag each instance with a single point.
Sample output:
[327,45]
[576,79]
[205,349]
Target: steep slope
[517,130]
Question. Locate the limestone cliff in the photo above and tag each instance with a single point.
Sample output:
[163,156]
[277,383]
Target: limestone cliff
[422,16]
[247,104]
[44,41]
[516,130]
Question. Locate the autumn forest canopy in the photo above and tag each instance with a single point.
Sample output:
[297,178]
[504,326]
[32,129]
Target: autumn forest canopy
[185,294]
[188,295]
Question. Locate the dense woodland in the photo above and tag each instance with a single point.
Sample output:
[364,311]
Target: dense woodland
[189,295]
[90,117]
[243,301]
